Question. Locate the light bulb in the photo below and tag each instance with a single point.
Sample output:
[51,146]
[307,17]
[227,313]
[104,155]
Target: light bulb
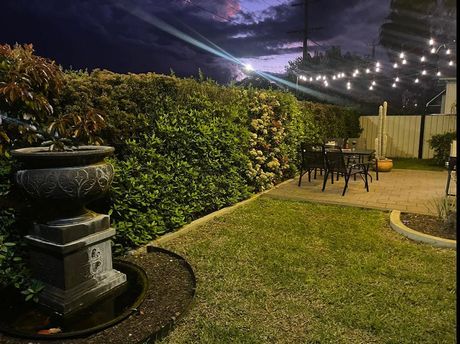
[438,73]
[333,77]
[377,69]
[371,88]
[448,52]
[397,79]
[431,41]
[368,70]
[423,72]
[395,65]
[377,64]
[433,50]
[422,59]
[451,63]
[394,85]
[401,55]
[404,61]
[356,71]
[416,81]
[373,83]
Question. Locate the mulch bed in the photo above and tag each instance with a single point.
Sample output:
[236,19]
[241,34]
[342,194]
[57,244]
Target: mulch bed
[170,293]
[428,224]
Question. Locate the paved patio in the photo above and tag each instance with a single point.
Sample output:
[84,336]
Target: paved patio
[404,190]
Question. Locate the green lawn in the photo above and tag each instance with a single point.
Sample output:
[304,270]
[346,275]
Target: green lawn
[279,271]
[416,164]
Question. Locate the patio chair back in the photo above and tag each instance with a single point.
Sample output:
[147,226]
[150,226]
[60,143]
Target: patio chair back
[335,161]
[312,156]
[312,159]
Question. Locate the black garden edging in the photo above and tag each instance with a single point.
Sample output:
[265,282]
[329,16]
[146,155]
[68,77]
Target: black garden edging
[142,323]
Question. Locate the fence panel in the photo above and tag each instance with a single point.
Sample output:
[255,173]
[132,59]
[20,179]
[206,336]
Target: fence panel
[437,124]
[403,133]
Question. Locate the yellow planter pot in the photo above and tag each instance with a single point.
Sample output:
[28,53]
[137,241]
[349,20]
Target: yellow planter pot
[385,165]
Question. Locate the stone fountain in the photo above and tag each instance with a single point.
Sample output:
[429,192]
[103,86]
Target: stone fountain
[69,245]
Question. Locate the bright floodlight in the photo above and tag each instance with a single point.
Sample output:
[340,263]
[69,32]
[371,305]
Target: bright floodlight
[431,41]
[422,59]
[248,67]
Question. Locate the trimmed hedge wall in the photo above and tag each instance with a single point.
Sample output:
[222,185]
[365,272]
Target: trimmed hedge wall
[185,148]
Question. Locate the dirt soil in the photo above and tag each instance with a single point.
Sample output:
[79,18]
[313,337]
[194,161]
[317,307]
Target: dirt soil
[428,224]
[171,290]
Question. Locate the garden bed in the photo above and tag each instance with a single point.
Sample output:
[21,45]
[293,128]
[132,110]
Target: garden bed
[428,224]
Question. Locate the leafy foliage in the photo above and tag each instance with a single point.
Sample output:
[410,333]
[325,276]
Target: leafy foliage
[29,87]
[441,145]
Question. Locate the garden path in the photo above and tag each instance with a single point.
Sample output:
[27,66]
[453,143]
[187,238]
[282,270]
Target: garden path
[406,190]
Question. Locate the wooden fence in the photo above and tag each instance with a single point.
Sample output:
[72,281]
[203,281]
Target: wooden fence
[404,133]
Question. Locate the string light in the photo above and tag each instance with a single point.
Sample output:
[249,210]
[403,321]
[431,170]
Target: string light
[434,49]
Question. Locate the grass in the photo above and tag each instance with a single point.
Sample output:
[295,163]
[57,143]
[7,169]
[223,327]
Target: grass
[279,271]
[416,164]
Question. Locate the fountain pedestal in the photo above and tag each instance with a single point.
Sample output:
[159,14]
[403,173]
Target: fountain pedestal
[69,245]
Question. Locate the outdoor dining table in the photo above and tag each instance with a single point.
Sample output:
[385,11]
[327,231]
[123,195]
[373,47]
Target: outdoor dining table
[361,155]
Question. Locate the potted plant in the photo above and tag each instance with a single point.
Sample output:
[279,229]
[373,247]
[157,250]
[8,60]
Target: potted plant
[383,163]
[69,244]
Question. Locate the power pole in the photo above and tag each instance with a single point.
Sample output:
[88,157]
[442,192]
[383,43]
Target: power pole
[305,27]
[373,44]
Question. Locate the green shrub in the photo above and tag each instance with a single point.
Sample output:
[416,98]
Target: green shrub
[441,145]
[334,121]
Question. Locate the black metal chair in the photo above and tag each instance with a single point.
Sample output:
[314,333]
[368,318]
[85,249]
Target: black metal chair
[311,160]
[335,162]
[451,168]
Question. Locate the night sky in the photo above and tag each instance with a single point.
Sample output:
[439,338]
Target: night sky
[129,35]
